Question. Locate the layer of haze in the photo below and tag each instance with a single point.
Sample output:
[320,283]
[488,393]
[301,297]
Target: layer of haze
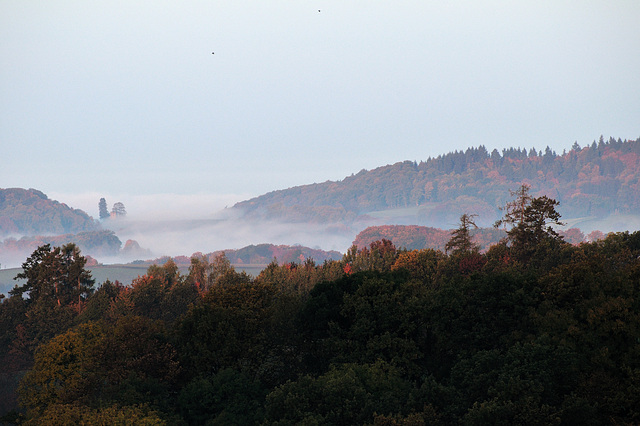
[124,99]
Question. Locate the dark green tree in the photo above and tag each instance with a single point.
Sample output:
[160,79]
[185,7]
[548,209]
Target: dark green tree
[55,274]
[347,394]
[228,397]
[55,292]
[100,302]
[96,364]
[102,208]
[242,325]
[530,221]
[461,240]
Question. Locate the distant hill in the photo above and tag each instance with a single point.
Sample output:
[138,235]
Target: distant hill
[592,181]
[28,219]
[260,254]
[30,212]
[94,243]
[265,253]
[413,237]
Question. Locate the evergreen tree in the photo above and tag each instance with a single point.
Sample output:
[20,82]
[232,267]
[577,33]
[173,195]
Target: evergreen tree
[102,207]
[530,220]
[461,240]
[57,274]
[57,286]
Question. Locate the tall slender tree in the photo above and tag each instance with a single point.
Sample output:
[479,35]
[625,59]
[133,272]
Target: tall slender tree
[461,240]
[102,208]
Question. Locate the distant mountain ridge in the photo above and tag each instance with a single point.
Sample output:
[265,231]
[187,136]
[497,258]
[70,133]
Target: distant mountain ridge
[595,181]
[31,212]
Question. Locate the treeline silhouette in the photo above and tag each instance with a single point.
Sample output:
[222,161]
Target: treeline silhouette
[594,180]
[532,331]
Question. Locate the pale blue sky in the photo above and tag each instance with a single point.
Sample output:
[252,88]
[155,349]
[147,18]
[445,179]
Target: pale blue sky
[125,99]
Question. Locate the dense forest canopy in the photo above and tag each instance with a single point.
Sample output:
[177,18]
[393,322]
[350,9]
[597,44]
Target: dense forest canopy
[531,331]
[595,180]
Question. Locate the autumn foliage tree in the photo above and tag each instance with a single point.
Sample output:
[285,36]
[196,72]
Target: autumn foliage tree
[378,256]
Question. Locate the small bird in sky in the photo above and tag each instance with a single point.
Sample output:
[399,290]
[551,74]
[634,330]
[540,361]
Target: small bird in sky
[213,53]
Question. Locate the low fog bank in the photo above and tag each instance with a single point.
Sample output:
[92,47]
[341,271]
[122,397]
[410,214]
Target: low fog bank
[611,223]
[224,230]
[180,225]
[174,225]
[229,230]
[153,207]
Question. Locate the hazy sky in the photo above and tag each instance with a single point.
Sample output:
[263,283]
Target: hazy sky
[125,99]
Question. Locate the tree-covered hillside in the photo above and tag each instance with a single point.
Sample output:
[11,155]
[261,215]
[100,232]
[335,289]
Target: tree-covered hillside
[98,243]
[257,255]
[30,212]
[595,180]
[412,237]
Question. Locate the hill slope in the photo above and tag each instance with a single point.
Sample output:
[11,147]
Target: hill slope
[30,212]
[596,180]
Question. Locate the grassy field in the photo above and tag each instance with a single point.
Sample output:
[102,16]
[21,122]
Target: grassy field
[123,273]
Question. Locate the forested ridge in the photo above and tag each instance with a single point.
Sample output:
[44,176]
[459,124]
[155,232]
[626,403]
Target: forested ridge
[30,212]
[103,242]
[594,180]
[415,237]
[531,331]
[590,182]
[260,254]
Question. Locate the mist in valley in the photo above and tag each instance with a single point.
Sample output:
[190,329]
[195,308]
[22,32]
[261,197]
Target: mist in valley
[226,230]
[169,235]
[184,224]
[181,225]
